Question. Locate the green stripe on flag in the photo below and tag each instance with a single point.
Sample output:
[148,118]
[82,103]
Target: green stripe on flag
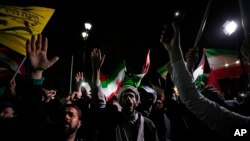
[133,80]
[163,69]
[114,75]
[215,52]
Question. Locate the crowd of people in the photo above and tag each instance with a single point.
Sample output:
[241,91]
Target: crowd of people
[144,113]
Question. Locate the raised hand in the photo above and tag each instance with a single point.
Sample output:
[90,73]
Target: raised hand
[170,36]
[172,45]
[79,77]
[97,58]
[36,50]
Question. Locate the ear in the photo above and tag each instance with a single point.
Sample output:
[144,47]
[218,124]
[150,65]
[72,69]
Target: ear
[138,102]
[79,124]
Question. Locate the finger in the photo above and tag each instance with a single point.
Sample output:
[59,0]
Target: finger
[77,74]
[99,53]
[33,43]
[28,47]
[176,28]
[45,44]
[95,52]
[39,42]
[103,58]
[82,76]
[53,60]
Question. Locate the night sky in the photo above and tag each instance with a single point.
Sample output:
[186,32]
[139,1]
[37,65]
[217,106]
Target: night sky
[126,30]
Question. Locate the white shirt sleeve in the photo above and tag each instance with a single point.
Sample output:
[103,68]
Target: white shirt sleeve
[215,116]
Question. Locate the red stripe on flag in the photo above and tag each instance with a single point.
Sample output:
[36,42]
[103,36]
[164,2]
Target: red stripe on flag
[114,94]
[147,63]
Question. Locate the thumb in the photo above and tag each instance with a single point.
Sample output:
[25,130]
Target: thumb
[53,60]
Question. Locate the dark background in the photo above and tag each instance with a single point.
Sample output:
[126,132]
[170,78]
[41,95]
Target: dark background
[127,29]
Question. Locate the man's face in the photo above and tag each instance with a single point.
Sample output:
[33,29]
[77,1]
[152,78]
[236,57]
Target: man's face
[129,102]
[72,121]
[7,112]
[158,104]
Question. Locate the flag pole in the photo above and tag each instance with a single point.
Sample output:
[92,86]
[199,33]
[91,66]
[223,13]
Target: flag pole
[203,23]
[244,23]
[71,74]
[14,76]
[202,26]
[246,40]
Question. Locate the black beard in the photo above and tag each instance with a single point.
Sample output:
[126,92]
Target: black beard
[69,131]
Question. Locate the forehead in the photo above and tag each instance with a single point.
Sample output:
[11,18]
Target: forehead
[8,109]
[71,110]
[128,93]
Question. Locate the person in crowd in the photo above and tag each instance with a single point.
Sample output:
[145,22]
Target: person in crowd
[160,118]
[128,124]
[147,99]
[33,115]
[7,110]
[218,118]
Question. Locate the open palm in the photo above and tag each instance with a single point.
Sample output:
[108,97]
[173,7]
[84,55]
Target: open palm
[37,53]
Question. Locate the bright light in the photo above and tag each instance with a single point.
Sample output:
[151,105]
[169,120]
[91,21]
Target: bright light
[87,26]
[237,62]
[176,91]
[229,27]
[85,35]
[226,65]
[84,84]
[177,14]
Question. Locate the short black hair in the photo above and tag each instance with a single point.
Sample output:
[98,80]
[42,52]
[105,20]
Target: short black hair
[75,107]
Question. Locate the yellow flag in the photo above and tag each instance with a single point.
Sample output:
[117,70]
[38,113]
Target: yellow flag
[17,24]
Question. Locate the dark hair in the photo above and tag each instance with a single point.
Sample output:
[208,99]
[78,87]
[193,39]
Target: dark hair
[75,107]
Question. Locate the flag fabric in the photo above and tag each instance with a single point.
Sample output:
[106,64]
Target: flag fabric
[147,63]
[218,58]
[112,84]
[164,70]
[17,24]
[135,79]
[201,73]
[9,62]
[224,63]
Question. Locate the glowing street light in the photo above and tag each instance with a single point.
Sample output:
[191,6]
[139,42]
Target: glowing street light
[229,27]
[87,26]
[85,35]
[177,13]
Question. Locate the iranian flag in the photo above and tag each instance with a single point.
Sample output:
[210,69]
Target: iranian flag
[224,63]
[164,70]
[135,79]
[10,62]
[111,85]
[201,73]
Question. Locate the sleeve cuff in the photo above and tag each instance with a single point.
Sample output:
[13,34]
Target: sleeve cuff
[38,81]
